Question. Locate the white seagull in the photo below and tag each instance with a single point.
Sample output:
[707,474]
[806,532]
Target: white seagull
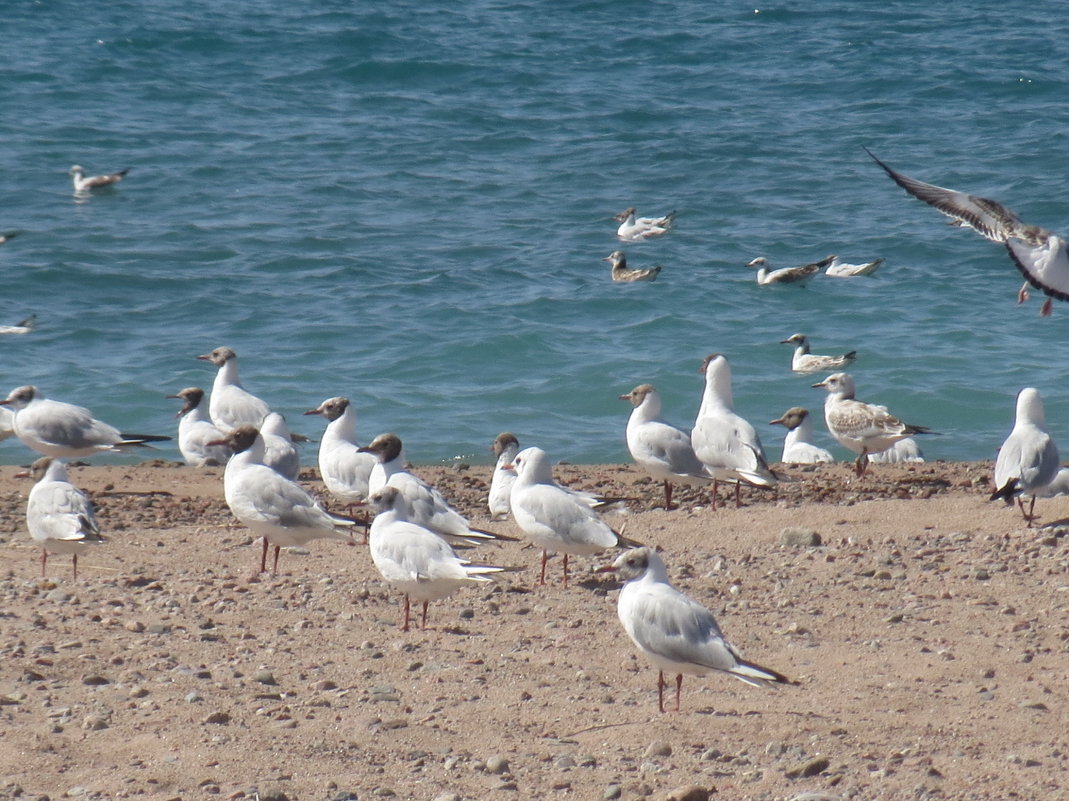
[553,517]
[280,453]
[415,559]
[345,469]
[5,238]
[903,451]
[505,446]
[805,362]
[798,447]
[426,506]
[674,632]
[624,274]
[639,229]
[21,327]
[863,428]
[231,405]
[1040,255]
[727,444]
[787,275]
[58,514]
[195,431]
[65,431]
[1028,460]
[659,448]
[840,269]
[270,505]
[82,184]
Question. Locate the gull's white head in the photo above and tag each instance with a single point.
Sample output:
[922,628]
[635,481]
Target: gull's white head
[331,408]
[386,499]
[76,170]
[795,339]
[219,356]
[641,393]
[533,464]
[636,563]
[21,397]
[617,258]
[841,384]
[1030,407]
[757,263]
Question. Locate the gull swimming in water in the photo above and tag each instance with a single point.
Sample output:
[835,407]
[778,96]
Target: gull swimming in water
[195,431]
[21,327]
[344,468]
[1028,460]
[639,229]
[554,518]
[863,428]
[675,632]
[798,447]
[805,362]
[82,184]
[5,238]
[903,451]
[415,559]
[231,405]
[659,448]
[622,273]
[1040,255]
[787,275]
[269,504]
[58,514]
[63,430]
[727,444]
[840,269]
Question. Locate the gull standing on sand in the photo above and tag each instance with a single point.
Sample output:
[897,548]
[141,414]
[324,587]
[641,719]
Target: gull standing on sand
[805,362]
[63,430]
[840,269]
[1040,255]
[505,446]
[555,519]
[639,229]
[280,453]
[903,451]
[624,274]
[798,447]
[58,514]
[195,431]
[231,405]
[1028,459]
[21,327]
[345,469]
[415,559]
[727,444]
[659,448]
[83,185]
[426,506]
[863,428]
[270,505]
[674,632]
[787,275]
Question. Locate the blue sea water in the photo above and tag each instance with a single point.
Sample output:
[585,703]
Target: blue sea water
[408,204]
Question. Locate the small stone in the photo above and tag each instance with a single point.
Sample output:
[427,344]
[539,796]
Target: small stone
[264,677]
[193,697]
[658,748]
[135,626]
[323,685]
[272,794]
[612,791]
[218,718]
[690,792]
[94,680]
[497,765]
[157,628]
[95,722]
[447,797]
[795,537]
[808,768]
[467,613]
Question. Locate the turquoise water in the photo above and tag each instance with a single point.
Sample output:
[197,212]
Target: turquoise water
[409,205]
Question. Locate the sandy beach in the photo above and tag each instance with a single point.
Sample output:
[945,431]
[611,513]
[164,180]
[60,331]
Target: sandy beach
[928,634]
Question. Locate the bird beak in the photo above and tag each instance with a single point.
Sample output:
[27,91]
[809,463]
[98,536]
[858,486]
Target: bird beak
[821,385]
[204,357]
[314,411]
[774,422]
[606,569]
[625,397]
[784,341]
[218,442]
[24,474]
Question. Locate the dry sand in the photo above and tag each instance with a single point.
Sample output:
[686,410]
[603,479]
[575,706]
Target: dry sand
[928,635]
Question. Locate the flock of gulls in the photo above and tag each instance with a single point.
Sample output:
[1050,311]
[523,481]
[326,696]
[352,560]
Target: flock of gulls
[414,534]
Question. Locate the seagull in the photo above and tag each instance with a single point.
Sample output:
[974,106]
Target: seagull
[674,632]
[505,446]
[345,469]
[7,423]
[1040,255]
[554,518]
[639,229]
[805,362]
[840,269]
[58,514]
[415,559]
[726,444]
[195,431]
[1059,486]
[426,506]
[5,238]
[662,450]
[65,431]
[231,405]
[622,273]
[905,450]
[83,185]
[787,275]
[21,327]
[1028,459]
[269,504]
[863,428]
[798,447]
[280,454]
